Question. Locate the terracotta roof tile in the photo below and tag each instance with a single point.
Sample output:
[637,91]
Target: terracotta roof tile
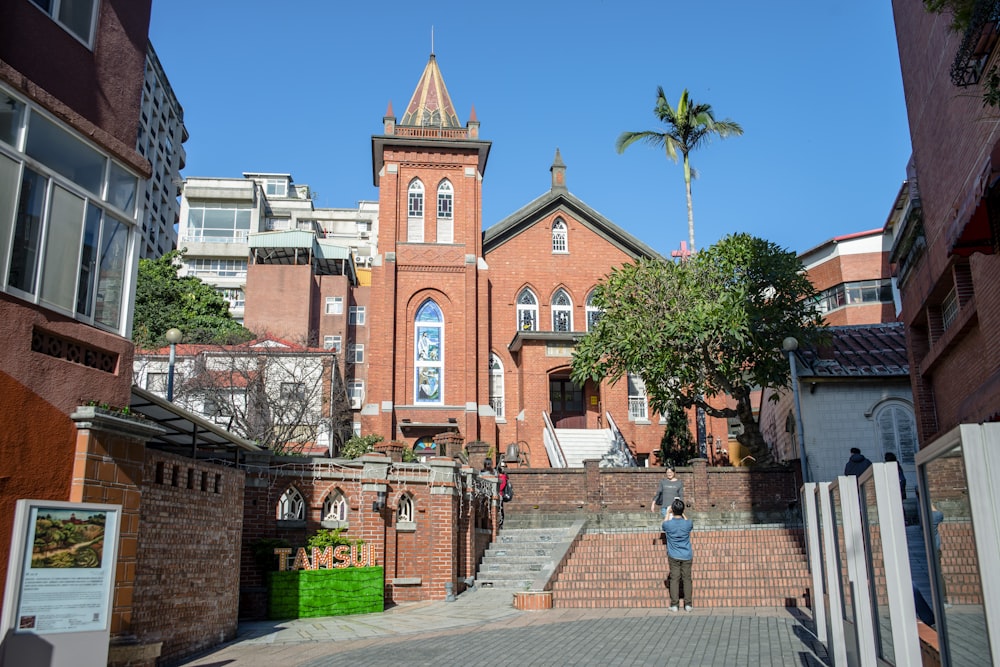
[874,350]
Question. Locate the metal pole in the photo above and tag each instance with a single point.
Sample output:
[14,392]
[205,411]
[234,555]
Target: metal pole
[798,418]
[170,372]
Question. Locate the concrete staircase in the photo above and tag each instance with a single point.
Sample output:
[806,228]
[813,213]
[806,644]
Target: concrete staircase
[525,554]
[754,566]
[579,444]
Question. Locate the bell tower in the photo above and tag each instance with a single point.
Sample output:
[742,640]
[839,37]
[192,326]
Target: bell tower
[429,341]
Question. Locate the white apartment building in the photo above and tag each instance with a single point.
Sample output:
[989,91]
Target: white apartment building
[218,215]
[161,138]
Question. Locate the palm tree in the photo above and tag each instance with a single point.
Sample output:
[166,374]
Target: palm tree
[687,127]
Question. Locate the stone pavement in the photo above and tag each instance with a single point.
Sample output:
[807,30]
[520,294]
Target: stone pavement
[481,628]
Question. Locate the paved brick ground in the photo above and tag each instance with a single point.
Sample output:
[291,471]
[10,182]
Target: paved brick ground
[480,628]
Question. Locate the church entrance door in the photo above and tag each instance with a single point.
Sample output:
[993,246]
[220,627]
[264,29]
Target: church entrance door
[566,403]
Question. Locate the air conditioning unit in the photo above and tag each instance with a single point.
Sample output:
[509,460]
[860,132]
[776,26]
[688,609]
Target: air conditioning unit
[364,234]
[359,260]
[356,403]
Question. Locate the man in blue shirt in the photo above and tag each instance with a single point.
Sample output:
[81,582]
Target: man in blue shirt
[677,529]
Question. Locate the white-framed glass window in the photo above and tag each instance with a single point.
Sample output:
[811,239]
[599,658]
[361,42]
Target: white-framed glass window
[593,312]
[428,354]
[68,213]
[291,506]
[332,343]
[638,407]
[334,305]
[356,316]
[562,311]
[404,511]
[415,212]
[897,430]
[496,385]
[234,295]
[356,393]
[293,391]
[356,428]
[356,353]
[445,213]
[77,17]
[216,222]
[219,268]
[335,506]
[560,240]
[527,311]
[275,187]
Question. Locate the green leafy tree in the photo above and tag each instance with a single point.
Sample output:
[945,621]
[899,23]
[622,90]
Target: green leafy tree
[960,10]
[360,444]
[164,300]
[687,127]
[712,325]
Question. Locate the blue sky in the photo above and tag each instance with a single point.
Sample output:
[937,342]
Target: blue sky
[301,86]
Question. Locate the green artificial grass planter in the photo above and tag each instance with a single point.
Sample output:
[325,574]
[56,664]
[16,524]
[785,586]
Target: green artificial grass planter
[326,592]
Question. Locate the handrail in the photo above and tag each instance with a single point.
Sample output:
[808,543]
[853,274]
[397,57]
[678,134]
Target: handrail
[620,446]
[552,447]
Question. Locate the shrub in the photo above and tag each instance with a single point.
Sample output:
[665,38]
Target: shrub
[360,444]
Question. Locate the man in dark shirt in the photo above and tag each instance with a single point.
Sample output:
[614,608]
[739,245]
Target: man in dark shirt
[857,464]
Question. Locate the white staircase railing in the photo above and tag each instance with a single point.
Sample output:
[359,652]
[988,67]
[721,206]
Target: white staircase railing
[620,451]
[552,447]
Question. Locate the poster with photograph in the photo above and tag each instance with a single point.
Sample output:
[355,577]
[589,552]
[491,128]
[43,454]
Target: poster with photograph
[68,568]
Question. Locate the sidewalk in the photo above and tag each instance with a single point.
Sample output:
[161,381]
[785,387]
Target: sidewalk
[482,628]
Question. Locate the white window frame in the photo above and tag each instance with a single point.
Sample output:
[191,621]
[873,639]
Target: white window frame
[593,312]
[562,311]
[428,366]
[335,506]
[291,506]
[334,305]
[527,310]
[356,316]
[901,415]
[496,386]
[415,212]
[445,213]
[356,393]
[54,11]
[560,237]
[332,343]
[404,509]
[638,402]
[356,353]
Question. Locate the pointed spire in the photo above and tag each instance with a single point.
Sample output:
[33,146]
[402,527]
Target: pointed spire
[431,105]
[558,170]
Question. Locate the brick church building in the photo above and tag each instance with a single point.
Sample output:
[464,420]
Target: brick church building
[472,331]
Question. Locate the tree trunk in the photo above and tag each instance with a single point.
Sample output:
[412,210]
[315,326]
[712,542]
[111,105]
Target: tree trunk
[690,204]
[752,438]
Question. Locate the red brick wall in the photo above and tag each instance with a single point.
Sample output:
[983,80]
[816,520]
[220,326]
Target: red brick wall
[187,574]
[270,306]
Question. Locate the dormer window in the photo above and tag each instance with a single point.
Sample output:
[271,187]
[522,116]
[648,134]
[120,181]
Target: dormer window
[415,212]
[559,236]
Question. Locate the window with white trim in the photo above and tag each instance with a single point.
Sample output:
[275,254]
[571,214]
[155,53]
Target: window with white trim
[332,343]
[496,385]
[593,312]
[77,17]
[415,212]
[560,241]
[562,311]
[638,405]
[356,393]
[335,506]
[293,391]
[527,311]
[216,222]
[404,512]
[356,353]
[234,295]
[896,430]
[428,354]
[334,305]
[356,316]
[291,506]
[445,213]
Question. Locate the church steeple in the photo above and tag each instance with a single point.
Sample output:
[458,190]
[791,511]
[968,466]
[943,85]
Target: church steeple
[558,170]
[431,105]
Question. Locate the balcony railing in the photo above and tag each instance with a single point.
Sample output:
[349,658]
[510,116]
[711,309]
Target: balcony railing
[978,43]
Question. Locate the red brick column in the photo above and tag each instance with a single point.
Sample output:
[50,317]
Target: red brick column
[444,499]
[699,487]
[592,484]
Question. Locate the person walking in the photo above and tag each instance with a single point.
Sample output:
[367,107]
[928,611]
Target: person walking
[504,489]
[891,458]
[857,464]
[677,529]
[671,488]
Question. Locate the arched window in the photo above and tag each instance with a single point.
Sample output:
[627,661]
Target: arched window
[496,385]
[405,510]
[428,354]
[527,311]
[291,506]
[415,212]
[559,236]
[593,312]
[896,430]
[445,213]
[562,311]
[335,507]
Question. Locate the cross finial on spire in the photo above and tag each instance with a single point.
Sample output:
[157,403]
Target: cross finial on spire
[684,254]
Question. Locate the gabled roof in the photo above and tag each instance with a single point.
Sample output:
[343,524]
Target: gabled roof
[872,350]
[430,105]
[558,198]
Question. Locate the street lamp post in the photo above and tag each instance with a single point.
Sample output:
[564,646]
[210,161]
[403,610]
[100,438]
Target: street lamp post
[789,345]
[173,337]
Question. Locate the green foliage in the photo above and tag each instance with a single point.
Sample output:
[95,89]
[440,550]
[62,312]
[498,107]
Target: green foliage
[330,538]
[711,325]
[360,444]
[408,455]
[263,552]
[960,10]
[991,88]
[164,300]
[677,445]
